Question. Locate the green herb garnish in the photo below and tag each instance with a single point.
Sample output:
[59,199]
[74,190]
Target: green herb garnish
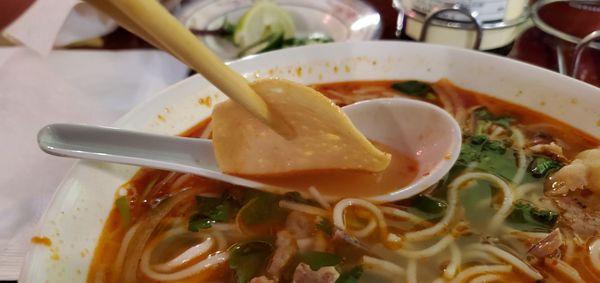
[317,260]
[325,225]
[427,207]
[211,210]
[526,217]
[416,88]
[541,166]
[262,209]
[491,156]
[247,260]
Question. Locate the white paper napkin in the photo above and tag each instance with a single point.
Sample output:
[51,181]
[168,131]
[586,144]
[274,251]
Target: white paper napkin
[94,87]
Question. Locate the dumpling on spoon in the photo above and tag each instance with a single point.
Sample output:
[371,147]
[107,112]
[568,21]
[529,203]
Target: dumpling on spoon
[323,137]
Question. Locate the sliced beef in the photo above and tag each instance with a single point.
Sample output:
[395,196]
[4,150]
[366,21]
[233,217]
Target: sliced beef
[547,246]
[300,225]
[285,249]
[581,213]
[304,274]
[261,279]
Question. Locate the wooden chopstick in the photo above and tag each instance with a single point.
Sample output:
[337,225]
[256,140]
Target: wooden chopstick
[151,21]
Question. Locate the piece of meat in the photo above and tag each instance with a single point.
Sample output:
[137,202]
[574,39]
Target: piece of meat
[261,279]
[581,213]
[303,274]
[582,173]
[286,248]
[300,225]
[317,242]
[551,149]
[547,246]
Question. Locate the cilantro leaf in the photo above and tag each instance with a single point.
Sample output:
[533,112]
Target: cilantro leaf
[526,217]
[491,156]
[541,166]
[248,259]
[325,225]
[416,88]
[262,209]
[317,260]
[485,119]
[210,210]
[427,207]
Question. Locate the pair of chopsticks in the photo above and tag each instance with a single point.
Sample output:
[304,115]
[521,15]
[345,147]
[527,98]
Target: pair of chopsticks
[151,21]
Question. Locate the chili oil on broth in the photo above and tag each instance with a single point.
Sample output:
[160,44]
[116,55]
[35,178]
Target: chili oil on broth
[149,189]
[401,171]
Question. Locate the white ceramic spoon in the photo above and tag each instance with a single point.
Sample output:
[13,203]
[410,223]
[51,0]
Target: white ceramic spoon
[420,130]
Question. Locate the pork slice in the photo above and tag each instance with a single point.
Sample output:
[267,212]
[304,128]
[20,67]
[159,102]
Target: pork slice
[299,224]
[285,249]
[547,246]
[580,213]
[303,274]
[261,279]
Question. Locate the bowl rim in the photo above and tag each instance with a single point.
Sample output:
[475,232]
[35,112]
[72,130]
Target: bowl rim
[246,64]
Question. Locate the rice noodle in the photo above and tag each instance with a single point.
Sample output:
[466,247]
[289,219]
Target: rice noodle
[472,255]
[429,251]
[519,142]
[564,268]
[184,257]
[569,246]
[442,225]
[594,252]
[371,90]
[319,197]
[497,131]
[209,262]
[401,214]
[123,248]
[339,219]
[455,261]
[308,209]
[453,188]
[411,271]
[508,257]
[507,200]
[144,231]
[486,278]
[367,230]
[172,176]
[514,233]
[479,269]
[180,181]
[524,189]
[382,265]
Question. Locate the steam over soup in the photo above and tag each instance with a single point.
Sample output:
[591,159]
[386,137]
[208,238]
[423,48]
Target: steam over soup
[521,204]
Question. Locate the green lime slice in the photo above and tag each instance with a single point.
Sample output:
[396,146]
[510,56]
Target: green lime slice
[271,42]
[262,20]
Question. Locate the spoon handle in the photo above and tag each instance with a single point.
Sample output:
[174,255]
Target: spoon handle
[180,154]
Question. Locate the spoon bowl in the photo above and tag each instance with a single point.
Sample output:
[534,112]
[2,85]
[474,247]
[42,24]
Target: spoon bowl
[420,130]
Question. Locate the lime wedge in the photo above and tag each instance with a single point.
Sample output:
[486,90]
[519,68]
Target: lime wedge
[262,20]
[271,42]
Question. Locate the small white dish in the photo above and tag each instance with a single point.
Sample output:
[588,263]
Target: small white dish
[341,20]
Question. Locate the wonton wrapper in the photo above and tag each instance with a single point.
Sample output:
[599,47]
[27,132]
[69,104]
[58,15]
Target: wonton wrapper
[324,136]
